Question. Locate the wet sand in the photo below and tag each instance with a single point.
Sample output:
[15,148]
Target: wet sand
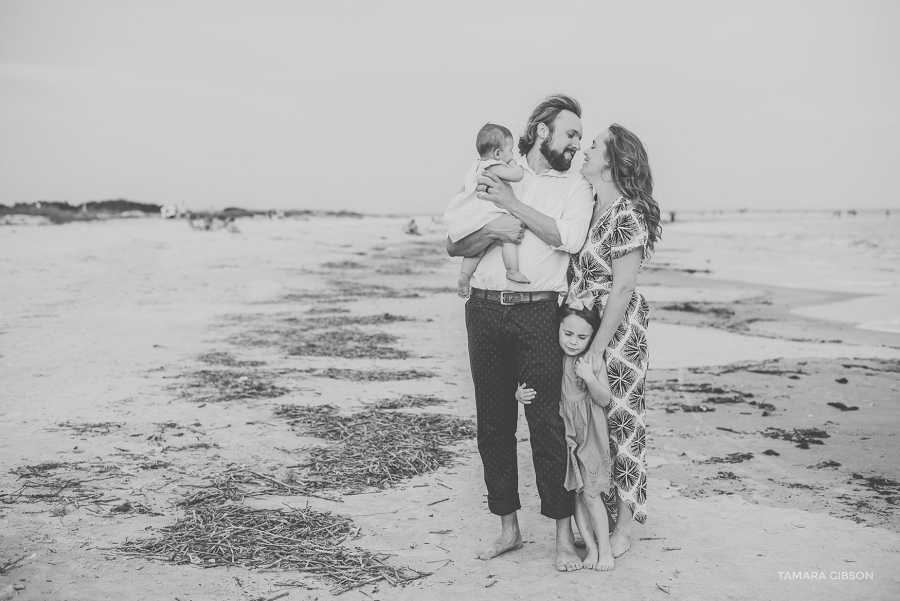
[108,327]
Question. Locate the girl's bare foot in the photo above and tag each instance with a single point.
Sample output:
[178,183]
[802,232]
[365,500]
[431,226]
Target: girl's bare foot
[606,561]
[590,562]
[516,276]
[619,543]
[462,286]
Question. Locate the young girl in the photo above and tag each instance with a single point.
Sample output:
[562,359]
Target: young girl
[582,406]
[467,213]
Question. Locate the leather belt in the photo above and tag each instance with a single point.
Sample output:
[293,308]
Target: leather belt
[507,297]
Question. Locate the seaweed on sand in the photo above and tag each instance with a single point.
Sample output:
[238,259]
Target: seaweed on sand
[381,375]
[90,428]
[328,336]
[226,360]
[731,458]
[376,447]
[802,436]
[214,385]
[410,400]
[300,539]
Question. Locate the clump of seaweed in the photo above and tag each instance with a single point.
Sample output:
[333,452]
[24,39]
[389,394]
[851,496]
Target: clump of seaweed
[718,311]
[731,458]
[409,400]
[57,483]
[226,360]
[90,428]
[328,336]
[802,436]
[210,385]
[347,343]
[300,539]
[385,446]
[238,484]
[381,375]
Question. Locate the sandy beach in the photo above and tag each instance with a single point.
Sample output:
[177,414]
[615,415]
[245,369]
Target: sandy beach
[140,361]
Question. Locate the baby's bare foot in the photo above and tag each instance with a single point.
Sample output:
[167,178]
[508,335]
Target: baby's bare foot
[462,286]
[516,276]
[503,544]
[619,543]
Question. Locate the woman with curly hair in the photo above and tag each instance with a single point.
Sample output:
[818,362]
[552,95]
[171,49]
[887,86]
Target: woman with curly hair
[624,229]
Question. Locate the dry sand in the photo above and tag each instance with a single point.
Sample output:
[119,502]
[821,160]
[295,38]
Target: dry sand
[104,323]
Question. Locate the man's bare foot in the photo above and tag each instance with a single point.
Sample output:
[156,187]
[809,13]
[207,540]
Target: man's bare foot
[507,541]
[462,286]
[606,561]
[566,559]
[619,543]
[590,561]
[516,276]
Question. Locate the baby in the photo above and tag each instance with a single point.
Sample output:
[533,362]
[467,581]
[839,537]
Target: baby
[467,213]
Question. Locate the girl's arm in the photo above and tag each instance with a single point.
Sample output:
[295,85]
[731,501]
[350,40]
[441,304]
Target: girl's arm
[625,272]
[508,173]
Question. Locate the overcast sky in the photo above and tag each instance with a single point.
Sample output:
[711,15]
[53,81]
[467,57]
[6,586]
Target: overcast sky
[374,106]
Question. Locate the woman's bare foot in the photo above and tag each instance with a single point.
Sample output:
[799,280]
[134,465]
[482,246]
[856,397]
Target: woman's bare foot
[510,539]
[606,561]
[516,276]
[462,286]
[619,543]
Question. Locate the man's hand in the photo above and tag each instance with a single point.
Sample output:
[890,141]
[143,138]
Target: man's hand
[495,190]
[505,229]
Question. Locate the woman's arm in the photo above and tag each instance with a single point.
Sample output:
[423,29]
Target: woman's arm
[505,228]
[584,369]
[625,271]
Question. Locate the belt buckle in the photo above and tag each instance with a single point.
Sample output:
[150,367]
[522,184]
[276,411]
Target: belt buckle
[504,303]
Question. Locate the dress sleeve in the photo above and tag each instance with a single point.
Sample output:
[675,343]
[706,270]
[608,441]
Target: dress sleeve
[628,232]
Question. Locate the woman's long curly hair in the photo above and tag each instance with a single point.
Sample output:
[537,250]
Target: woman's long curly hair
[630,169]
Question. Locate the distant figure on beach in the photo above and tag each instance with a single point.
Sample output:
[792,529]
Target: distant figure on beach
[411,228]
[467,213]
[624,229]
[511,333]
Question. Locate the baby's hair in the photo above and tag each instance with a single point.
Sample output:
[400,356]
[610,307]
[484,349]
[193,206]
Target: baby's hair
[491,137]
[592,315]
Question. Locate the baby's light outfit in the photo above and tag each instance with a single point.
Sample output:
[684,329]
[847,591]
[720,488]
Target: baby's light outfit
[467,213]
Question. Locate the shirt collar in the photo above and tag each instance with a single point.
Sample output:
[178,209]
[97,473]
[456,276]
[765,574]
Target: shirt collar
[523,162]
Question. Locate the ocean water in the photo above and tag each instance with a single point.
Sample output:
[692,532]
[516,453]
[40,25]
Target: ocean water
[856,254]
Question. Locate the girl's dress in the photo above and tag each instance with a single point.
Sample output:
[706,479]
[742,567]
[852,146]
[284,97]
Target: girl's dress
[587,437]
[467,213]
[619,230]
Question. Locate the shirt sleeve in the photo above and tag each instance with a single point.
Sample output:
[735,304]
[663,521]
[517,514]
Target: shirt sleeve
[628,233]
[576,218]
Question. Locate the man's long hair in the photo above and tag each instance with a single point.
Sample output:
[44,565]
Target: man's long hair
[630,169]
[546,112]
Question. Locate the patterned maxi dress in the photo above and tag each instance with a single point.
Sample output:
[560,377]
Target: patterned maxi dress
[619,230]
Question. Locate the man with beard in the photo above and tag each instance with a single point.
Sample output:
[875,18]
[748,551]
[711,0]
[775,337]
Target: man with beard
[513,328]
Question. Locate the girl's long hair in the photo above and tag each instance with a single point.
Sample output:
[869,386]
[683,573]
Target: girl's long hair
[630,167]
